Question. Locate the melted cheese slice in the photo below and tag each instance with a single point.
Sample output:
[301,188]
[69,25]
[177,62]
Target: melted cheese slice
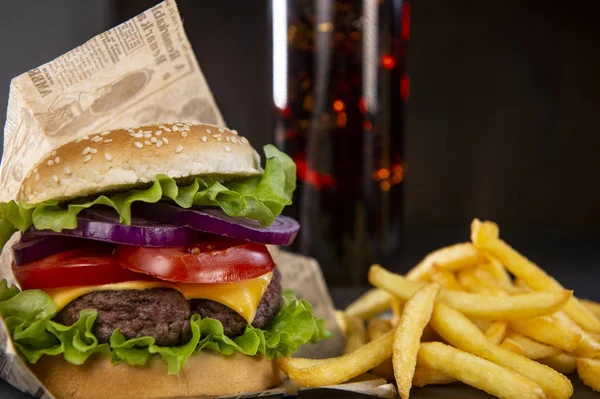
[241,296]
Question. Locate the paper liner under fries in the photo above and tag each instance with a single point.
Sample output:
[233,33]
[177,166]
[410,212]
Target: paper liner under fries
[141,71]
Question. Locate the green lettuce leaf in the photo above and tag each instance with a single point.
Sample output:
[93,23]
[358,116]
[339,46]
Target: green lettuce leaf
[261,198]
[28,316]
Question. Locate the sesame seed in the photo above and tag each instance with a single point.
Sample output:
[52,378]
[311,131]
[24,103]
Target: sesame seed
[219,139]
[162,127]
[208,131]
[221,130]
[179,124]
[140,132]
[130,130]
[186,127]
[158,132]
[147,132]
[147,142]
[35,170]
[166,129]
[108,141]
[57,160]
[159,144]
[97,139]
[67,171]
[175,128]
[55,178]
[227,148]
[244,140]
[204,138]
[50,163]
[227,139]
[234,132]
[138,144]
[37,177]
[104,133]
[234,139]
[53,153]
[107,156]
[216,136]
[179,149]
[93,150]
[86,150]
[184,134]
[153,140]
[147,135]
[87,158]
[166,140]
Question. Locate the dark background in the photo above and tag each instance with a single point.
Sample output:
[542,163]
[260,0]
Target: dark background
[503,118]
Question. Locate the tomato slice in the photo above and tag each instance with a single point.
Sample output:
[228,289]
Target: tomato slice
[219,261]
[74,267]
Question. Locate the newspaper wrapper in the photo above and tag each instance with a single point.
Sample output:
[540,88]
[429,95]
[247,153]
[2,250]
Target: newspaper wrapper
[141,71]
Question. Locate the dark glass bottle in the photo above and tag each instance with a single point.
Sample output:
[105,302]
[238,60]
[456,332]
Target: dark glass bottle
[339,87]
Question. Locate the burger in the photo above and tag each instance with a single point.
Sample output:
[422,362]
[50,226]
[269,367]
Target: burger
[143,268]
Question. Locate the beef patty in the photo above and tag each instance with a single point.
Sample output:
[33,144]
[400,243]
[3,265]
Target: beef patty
[164,313]
[233,323]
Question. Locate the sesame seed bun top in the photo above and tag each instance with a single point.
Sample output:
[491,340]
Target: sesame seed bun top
[128,158]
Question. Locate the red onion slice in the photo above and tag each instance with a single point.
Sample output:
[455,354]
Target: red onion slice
[102,224]
[213,220]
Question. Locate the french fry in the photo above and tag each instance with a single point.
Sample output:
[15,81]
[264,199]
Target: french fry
[407,336]
[592,306]
[497,270]
[340,318]
[563,363]
[480,282]
[397,308]
[424,376]
[589,372]
[356,334]
[483,325]
[516,307]
[512,346]
[370,304]
[529,272]
[378,327]
[445,278]
[588,347]
[375,329]
[460,332]
[477,372]
[496,332]
[452,258]
[340,369]
[533,349]
[548,331]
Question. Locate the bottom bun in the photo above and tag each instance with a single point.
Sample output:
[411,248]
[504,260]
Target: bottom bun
[205,375]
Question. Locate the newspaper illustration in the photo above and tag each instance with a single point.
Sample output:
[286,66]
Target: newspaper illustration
[141,71]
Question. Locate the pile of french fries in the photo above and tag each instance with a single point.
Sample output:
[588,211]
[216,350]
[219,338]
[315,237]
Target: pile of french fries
[477,312]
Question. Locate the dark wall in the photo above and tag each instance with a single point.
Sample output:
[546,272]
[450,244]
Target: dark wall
[503,113]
